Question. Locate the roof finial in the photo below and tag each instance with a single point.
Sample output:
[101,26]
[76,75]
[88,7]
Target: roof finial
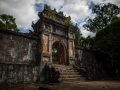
[46,7]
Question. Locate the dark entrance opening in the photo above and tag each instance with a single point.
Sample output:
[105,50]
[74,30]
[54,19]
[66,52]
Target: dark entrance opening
[58,53]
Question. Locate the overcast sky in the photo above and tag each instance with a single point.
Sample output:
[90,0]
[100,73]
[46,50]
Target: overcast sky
[25,11]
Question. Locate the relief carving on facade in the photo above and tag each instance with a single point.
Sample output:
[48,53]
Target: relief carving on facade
[72,62]
[47,27]
[46,43]
[71,36]
[59,31]
[71,48]
[46,59]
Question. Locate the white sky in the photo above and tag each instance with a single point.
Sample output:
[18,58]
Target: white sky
[25,11]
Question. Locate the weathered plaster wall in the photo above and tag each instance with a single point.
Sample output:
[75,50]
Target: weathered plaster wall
[18,57]
[87,61]
[85,58]
[17,49]
[16,73]
[59,38]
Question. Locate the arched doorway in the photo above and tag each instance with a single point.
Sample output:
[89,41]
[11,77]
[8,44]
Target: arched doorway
[58,53]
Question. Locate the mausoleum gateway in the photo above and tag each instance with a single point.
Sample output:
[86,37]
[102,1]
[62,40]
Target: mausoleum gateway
[54,27]
[23,56]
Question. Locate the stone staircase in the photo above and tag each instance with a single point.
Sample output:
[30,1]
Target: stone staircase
[68,73]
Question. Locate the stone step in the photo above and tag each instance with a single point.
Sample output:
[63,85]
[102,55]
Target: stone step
[67,70]
[68,73]
[59,68]
[70,76]
[62,66]
[71,79]
[58,65]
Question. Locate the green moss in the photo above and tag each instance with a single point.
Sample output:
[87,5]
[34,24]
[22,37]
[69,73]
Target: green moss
[54,15]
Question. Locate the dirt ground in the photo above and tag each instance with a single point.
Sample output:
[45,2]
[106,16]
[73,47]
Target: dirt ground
[82,85]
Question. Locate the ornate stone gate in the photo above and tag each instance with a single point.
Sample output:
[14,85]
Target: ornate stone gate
[53,27]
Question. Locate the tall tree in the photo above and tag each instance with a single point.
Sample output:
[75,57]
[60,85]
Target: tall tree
[107,43]
[8,22]
[78,36]
[104,14]
[87,42]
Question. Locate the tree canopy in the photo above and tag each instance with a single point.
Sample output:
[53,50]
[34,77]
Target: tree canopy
[104,15]
[82,41]
[109,36]
[8,22]
[55,50]
[78,36]
[87,42]
[107,42]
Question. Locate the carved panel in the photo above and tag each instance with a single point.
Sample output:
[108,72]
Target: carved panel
[71,48]
[59,31]
[72,62]
[46,43]
[47,27]
[46,59]
[58,38]
[71,36]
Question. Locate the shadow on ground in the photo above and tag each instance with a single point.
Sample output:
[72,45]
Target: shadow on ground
[43,88]
[82,85]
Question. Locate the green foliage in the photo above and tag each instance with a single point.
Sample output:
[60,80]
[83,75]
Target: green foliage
[82,41]
[8,22]
[78,36]
[104,16]
[58,16]
[68,21]
[55,50]
[107,42]
[52,14]
[87,42]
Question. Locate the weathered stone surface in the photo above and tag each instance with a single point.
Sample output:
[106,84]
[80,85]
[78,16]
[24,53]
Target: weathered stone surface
[60,39]
[17,49]
[71,53]
[23,56]
[18,56]
[12,74]
[85,58]
[46,43]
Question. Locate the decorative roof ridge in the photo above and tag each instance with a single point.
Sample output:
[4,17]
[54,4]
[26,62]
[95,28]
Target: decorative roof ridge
[58,17]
